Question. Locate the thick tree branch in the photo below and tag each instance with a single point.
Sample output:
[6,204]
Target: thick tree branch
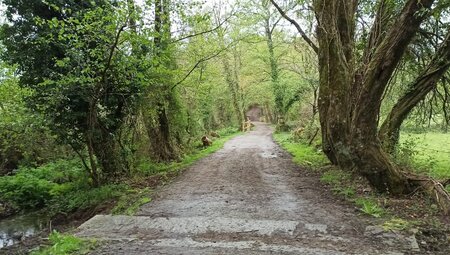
[297,26]
[386,58]
[377,34]
[424,83]
[113,48]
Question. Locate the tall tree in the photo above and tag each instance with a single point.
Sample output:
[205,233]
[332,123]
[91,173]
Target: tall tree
[352,89]
[160,94]
[72,56]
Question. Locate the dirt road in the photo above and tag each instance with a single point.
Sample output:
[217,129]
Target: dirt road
[247,198]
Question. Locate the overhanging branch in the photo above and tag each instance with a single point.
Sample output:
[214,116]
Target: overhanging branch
[204,32]
[297,26]
[197,64]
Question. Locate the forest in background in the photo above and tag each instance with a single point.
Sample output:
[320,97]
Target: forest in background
[97,95]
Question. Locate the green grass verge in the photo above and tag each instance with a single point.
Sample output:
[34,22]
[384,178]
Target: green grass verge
[150,168]
[341,182]
[302,154]
[65,245]
[130,202]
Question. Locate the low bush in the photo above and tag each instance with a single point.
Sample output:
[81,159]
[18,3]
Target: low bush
[227,131]
[25,191]
[370,207]
[61,186]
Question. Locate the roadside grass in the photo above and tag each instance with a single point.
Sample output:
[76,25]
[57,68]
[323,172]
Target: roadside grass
[61,244]
[427,153]
[130,202]
[302,154]
[370,206]
[341,183]
[398,224]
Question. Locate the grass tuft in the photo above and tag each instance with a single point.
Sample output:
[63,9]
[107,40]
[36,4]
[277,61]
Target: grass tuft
[132,200]
[302,154]
[370,207]
[66,245]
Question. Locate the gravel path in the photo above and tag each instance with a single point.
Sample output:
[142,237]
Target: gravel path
[247,198]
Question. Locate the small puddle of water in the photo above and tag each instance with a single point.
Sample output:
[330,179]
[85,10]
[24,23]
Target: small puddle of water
[268,155]
[17,228]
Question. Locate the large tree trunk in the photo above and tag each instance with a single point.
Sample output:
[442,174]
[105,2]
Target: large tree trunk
[389,132]
[349,123]
[107,152]
[158,124]
[162,147]
[350,98]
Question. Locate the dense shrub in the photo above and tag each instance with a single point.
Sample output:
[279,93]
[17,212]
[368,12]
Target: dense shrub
[25,191]
[62,186]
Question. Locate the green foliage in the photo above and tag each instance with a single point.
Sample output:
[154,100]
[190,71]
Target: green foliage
[62,244]
[25,191]
[334,177]
[36,187]
[397,224]
[132,200]
[370,207]
[85,198]
[24,138]
[228,131]
[348,192]
[406,151]
[75,59]
[61,186]
[427,153]
[302,153]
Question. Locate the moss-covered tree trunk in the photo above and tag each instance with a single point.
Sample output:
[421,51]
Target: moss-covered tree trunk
[157,110]
[350,99]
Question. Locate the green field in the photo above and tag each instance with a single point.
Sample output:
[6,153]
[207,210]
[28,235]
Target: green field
[428,152]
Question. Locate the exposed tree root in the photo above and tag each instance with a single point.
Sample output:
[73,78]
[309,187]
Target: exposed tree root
[434,188]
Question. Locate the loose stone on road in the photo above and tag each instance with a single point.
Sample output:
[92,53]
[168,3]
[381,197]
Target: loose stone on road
[247,198]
